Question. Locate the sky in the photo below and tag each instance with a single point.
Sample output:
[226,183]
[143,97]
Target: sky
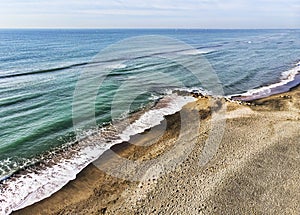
[150,14]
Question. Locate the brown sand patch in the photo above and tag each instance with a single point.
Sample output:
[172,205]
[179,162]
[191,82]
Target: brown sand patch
[255,170]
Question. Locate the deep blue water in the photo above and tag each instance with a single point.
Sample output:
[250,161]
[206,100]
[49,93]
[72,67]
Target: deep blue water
[39,70]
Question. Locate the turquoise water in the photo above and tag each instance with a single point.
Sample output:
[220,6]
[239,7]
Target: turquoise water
[39,70]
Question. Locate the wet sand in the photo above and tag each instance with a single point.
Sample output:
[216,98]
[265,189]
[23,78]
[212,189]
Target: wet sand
[254,171]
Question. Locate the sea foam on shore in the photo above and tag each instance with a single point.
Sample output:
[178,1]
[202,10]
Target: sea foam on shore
[39,182]
[288,80]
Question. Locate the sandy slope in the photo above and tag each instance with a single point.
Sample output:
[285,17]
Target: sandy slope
[255,170]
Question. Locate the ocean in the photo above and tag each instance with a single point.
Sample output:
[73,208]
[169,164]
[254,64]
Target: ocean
[40,71]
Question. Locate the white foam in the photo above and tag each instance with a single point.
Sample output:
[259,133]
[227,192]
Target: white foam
[196,51]
[286,77]
[116,66]
[25,190]
[155,116]
[35,186]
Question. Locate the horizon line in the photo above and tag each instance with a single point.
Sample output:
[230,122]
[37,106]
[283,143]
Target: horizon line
[138,28]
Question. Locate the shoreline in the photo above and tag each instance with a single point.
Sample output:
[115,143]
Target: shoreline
[95,191]
[289,79]
[285,85]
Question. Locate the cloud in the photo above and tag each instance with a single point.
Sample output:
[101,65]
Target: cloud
[155,13]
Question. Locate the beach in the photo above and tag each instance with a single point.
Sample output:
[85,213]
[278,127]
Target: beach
[255,169]
[49,135]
